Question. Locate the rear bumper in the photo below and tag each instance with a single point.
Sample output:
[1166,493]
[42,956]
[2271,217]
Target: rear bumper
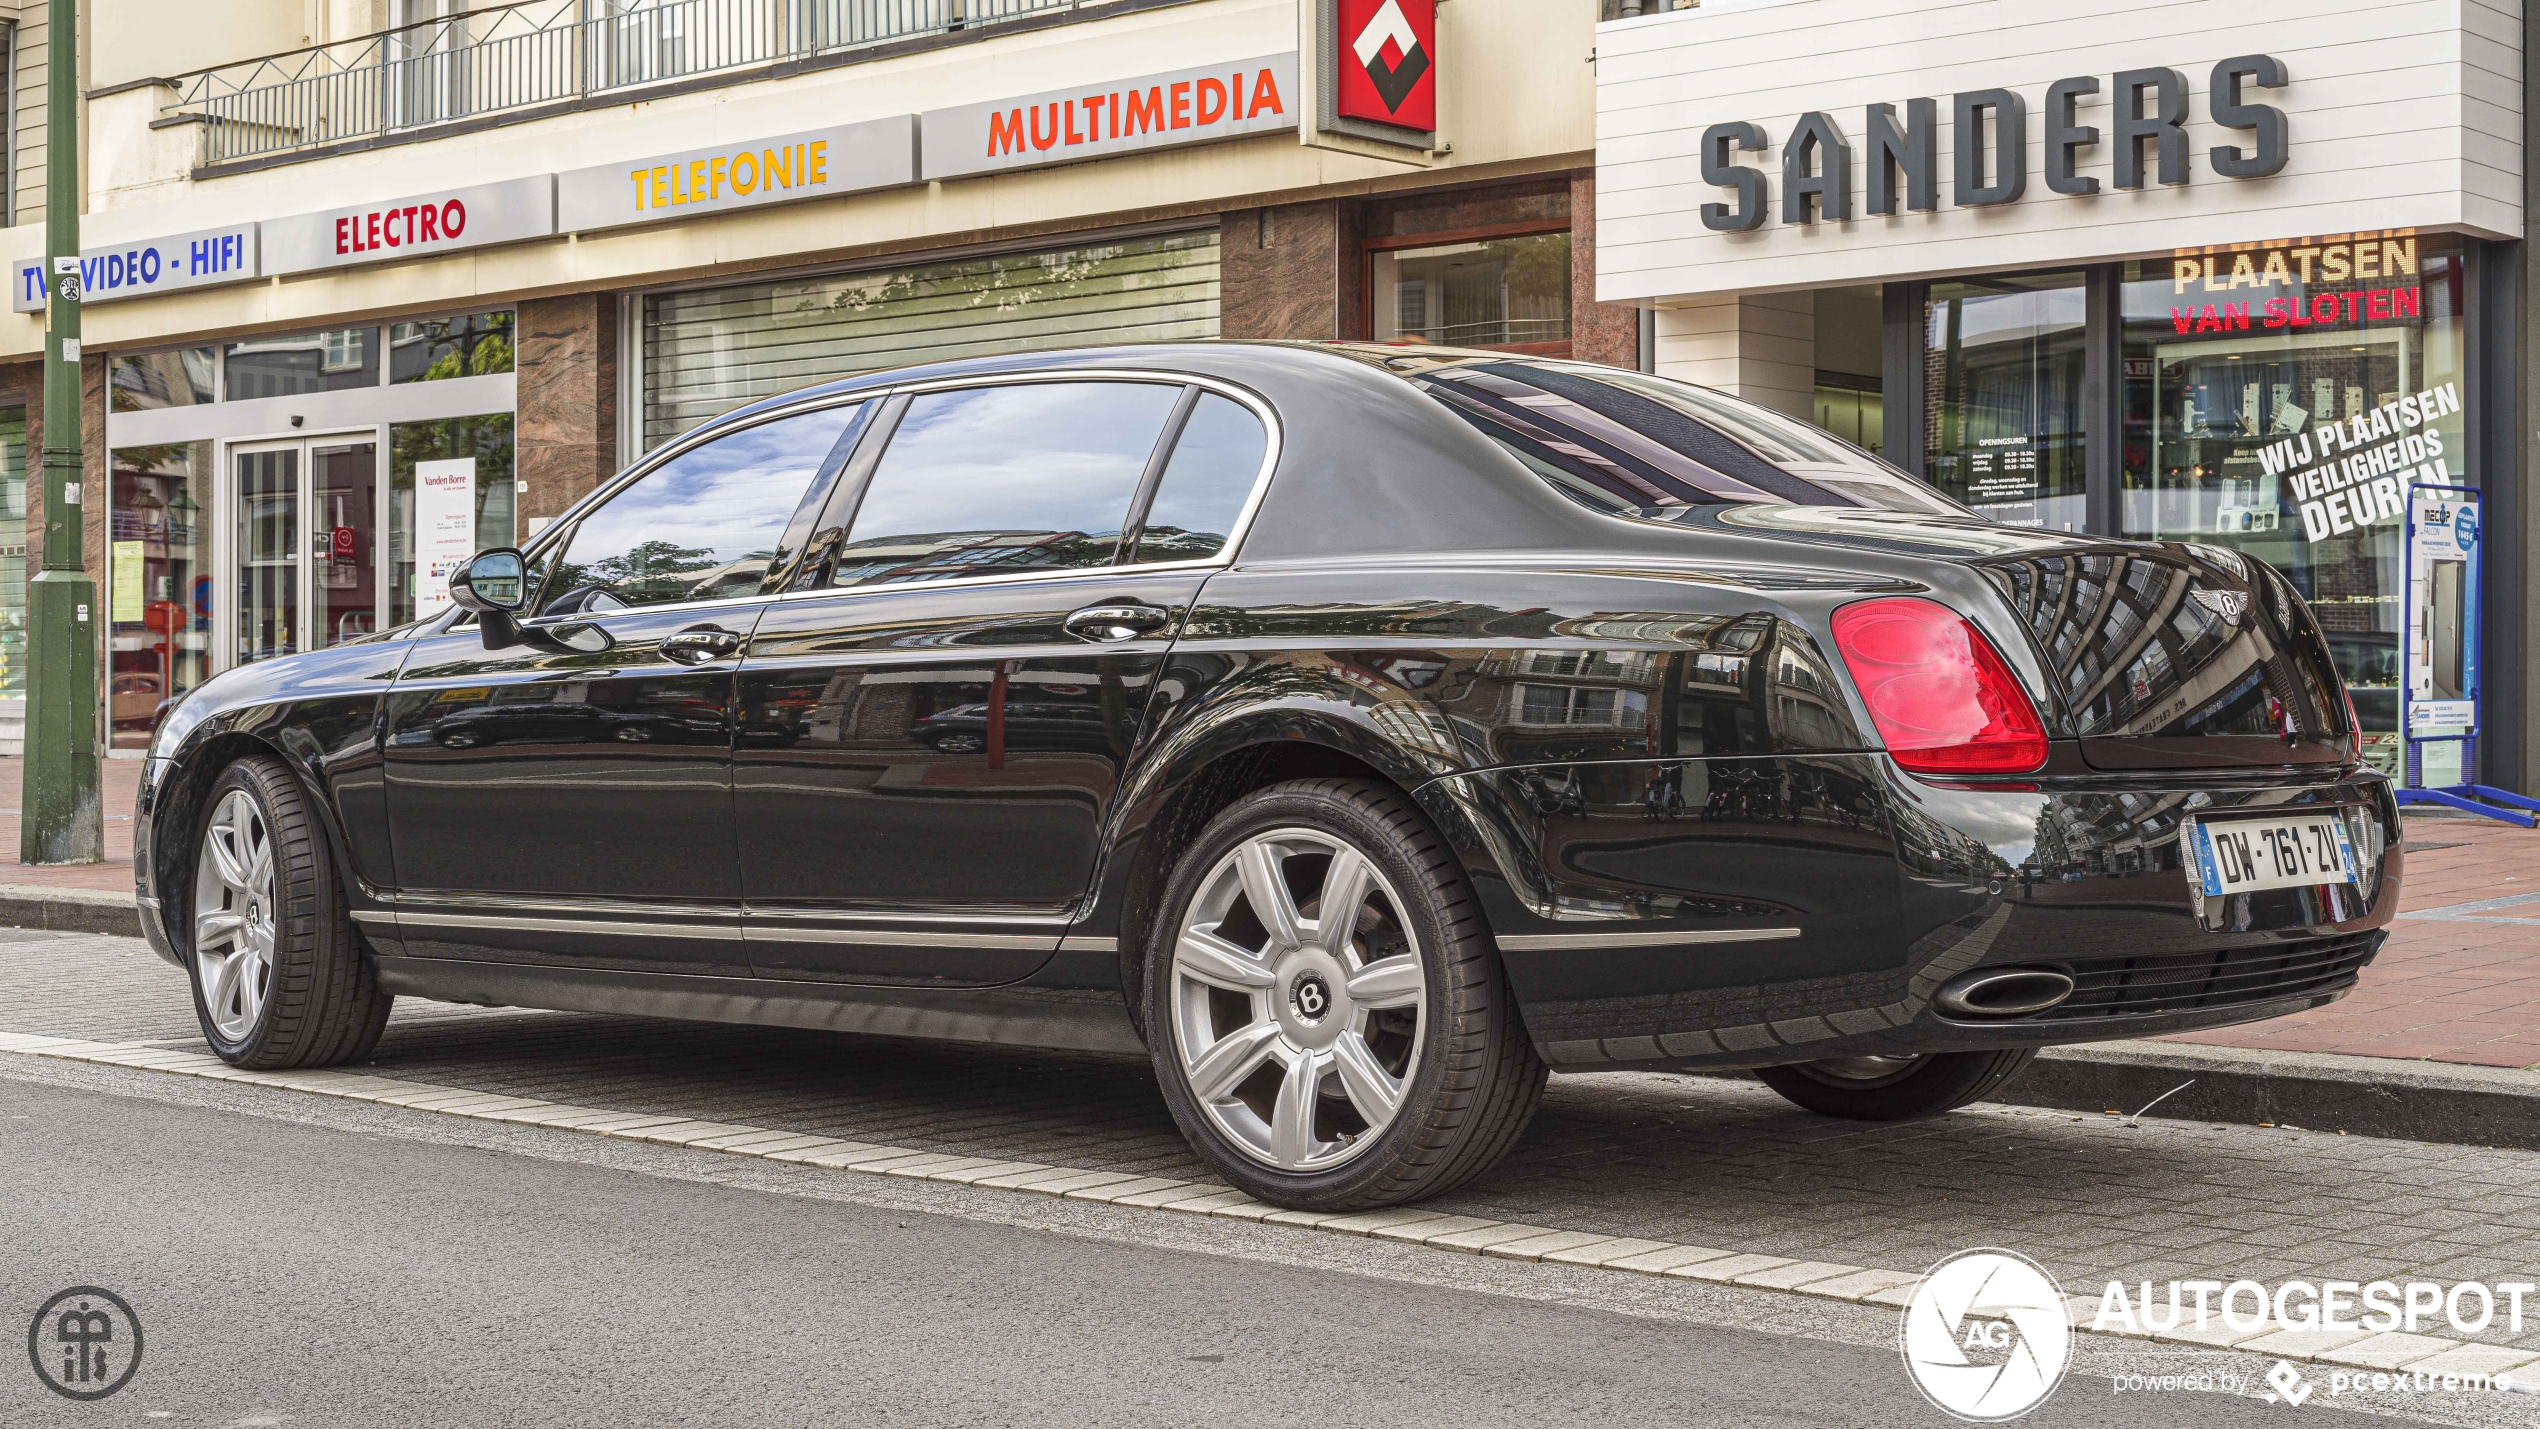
[1749,912]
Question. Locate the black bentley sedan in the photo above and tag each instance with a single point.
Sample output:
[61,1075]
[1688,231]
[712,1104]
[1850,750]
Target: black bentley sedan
[1358,732]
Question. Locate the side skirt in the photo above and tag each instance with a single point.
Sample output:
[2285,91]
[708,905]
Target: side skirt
[1064,1019]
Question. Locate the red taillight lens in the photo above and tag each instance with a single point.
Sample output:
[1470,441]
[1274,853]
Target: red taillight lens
[1942,697]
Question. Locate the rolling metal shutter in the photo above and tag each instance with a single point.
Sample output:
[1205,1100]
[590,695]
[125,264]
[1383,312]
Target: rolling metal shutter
[711,350]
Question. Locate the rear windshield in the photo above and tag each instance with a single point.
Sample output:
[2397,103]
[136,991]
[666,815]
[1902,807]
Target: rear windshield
[1630,444]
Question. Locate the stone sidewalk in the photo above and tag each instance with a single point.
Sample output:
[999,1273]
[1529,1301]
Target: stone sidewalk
[2459,980]
[1703,1161]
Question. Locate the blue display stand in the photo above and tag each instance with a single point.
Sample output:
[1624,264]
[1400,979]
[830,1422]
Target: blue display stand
[2444,529]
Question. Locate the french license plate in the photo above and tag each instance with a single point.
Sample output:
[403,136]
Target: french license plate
[2253,855]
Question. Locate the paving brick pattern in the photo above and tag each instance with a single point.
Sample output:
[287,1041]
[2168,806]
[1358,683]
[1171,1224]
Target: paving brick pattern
[1694,1160]
[2454,983]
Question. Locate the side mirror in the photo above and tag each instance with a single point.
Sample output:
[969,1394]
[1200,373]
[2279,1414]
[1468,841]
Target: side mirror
[492,582]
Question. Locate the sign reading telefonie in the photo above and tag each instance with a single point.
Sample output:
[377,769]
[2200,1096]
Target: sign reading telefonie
[1155,111]
[1988,133]
[416,227]
[817,163]
[149,266]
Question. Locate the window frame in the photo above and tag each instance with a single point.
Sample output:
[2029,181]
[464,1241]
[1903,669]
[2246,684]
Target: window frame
[850,494]
[558,537]
[845,488]
[1523,228]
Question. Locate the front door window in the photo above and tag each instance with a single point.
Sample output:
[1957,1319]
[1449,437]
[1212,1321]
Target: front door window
[2003,429]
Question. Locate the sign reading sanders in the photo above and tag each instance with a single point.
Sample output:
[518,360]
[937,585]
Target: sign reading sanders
[155,265]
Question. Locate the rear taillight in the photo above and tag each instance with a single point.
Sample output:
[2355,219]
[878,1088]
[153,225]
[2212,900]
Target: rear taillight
[1941,695]
[2354,729]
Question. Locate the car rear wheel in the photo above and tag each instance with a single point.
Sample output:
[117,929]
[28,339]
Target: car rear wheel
[1894,1088]
[280,977]
[1328,1015]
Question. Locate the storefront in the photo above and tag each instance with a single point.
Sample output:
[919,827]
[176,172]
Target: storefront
[261,494]
[310,414]
[2147,285]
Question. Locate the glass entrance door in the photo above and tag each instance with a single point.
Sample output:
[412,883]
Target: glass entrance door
[303,548]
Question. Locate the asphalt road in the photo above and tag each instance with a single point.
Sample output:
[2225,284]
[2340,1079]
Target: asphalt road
[292,1271]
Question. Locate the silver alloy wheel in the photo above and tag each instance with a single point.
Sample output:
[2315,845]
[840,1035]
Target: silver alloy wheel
[234,914]
[1860,1073]
[1297,1019]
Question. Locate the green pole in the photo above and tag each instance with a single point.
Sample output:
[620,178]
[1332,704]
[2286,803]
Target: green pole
[62,822]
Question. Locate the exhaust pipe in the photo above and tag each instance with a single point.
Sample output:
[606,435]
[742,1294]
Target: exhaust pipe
[2004,992]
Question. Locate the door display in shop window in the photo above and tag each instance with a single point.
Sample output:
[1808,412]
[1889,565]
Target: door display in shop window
[2442,637]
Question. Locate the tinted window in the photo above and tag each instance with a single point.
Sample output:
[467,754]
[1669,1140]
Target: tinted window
[1636,445]
[1205,484]
[991,480]
[298,364]
[706,523]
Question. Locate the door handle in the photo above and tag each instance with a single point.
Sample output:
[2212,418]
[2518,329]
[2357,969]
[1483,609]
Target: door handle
[1124,621]
[698,644]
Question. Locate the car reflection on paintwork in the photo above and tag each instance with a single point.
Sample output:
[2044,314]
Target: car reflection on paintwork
[1029,725]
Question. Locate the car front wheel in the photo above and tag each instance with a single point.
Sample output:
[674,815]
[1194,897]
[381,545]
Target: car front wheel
[280,978]
[1894,1088]
[1328,1015]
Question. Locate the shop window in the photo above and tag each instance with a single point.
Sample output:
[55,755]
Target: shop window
[2003,427]
[431,349]
[159,578]
[709,350]
[147,382]
[485,440]
[1852,408]
[1511,293]
[2279,399]
[299,364]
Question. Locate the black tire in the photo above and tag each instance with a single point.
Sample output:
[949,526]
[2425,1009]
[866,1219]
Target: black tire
[322,1005]
[1940,1082]
[1476,1079]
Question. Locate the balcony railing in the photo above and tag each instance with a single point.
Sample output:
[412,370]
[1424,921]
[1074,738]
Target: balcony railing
[538,54]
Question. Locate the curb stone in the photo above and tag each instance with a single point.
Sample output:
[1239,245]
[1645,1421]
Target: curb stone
[1467,1234]
[69,910]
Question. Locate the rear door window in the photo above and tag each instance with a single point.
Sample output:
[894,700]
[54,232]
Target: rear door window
[705,524]
[1216,462]
[1008,479]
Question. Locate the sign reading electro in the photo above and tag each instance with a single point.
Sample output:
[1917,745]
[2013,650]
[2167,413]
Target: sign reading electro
[1387,65]
[416,227]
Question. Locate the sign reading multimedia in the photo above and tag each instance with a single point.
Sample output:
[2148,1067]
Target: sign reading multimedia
[817,163]
[1156,111]
[153,265]
[417,227]
[1988,133]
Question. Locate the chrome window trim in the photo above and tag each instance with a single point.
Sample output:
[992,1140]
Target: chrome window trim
[433,905]
[1259,407]
[416,918]
[563,525]
[891,938]
[1555,942]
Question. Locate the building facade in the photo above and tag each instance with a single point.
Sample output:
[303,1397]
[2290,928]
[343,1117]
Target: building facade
[2249,274]
[394,279]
